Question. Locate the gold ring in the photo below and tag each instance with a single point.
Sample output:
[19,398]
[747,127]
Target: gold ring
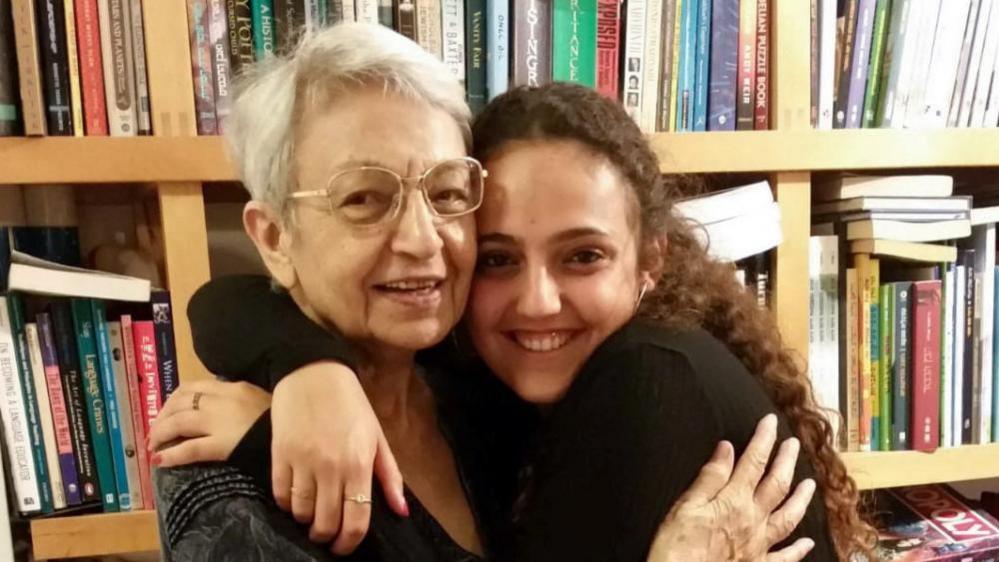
[196,401]
[358,499]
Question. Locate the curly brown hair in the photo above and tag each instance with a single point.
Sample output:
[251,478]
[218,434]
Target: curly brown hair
[694,289]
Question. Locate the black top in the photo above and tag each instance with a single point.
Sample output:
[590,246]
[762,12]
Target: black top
[603,467]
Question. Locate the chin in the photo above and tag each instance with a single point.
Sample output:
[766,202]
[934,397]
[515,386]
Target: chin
[541,389]
[416,335]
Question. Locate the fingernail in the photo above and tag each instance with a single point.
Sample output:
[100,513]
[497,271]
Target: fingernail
[794,444]
[809,544]
[157,459]
[405,508]
[770,420]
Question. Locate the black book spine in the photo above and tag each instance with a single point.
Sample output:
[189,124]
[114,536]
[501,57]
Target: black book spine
[10,121]
[72,383]
[55,66]
[240,18]
[289,19]
[475,55]
[166,349]
[967,395]
[532,42]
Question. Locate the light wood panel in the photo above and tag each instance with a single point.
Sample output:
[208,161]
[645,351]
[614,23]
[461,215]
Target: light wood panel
[908,468]
[790,272]
[94,535]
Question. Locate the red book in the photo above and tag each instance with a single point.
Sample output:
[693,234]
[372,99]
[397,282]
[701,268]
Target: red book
[762,87]
[88,41]
[144,338]
[608,39]
[925,419]
[135,401]
[744,104]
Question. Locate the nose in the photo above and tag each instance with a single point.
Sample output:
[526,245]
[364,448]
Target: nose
[541,296]
[415,234]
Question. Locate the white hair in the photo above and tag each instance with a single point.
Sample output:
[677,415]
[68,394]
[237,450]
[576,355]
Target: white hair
[273,96]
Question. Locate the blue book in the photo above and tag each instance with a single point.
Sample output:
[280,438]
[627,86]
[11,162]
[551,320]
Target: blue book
[686,68]
[875,357]
[724,65]
[67,464]
[111,404]
[702,66]
[497,47]
[166,349]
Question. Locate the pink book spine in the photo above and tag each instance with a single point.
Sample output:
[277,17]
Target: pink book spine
[135,401]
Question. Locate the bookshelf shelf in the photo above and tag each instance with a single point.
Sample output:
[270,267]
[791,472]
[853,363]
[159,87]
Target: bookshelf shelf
[94,535]
[907,468]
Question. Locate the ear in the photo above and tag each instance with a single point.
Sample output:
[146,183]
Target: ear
[273,241]
[652,261]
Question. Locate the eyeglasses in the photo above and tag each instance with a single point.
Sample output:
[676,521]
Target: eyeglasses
[372,195]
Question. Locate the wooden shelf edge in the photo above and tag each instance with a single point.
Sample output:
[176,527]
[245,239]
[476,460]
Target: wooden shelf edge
[95,535]
[908,468]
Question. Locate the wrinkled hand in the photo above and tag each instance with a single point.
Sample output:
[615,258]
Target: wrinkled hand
[183,434]
[327,444]
[733,516]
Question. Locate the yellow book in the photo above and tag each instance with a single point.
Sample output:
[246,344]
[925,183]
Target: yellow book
[865,278]
[75,98]
[674,74]
[852,370]
[873,285]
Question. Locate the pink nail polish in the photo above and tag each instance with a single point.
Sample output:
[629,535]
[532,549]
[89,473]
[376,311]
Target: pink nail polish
[405,508]
[157,459]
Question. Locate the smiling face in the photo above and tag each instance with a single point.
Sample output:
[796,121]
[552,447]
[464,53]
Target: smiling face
[558,264]
[401,284]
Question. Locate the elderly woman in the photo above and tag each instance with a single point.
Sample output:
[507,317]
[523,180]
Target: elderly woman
[354,153]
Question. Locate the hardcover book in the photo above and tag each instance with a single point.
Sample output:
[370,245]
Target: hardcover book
[475,45]
[240,27]
[202,67]
[761,88]
[532,42]
[88,41]
[745,106]
[263,28]
[574,31]
[10,120]
[498,44]
[119,68]
[608,44]
[29,72]
[724,65]
[60,411]
[55,67]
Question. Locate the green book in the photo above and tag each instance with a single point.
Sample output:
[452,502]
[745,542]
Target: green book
[263,27]
[875,321]
[574,41]
[872,96]
[887,364]
[475,54]
[86,343]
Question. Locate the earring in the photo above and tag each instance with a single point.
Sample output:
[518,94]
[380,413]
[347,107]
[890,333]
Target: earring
[641,294]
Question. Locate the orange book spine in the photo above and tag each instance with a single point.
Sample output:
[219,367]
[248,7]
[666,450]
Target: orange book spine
[88,40]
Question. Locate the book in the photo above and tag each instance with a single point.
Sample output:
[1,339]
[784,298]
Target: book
[915,95]
[60,411]
[573,42]
[845,68]
[886,365]
[911,251]
[111,399]
[899,52]
[827,62]
[686,68]
[38,276]
[10,120]
[824,355]
[58,490]
[964,60]
[453,37]
[144,124]
[967,94]
[634,54]
[28,71]
[874,345]
[851,383]
[866,279]
[73,68]
[221,72]
[745,106]
[144,340]
[925,205]
[55,67]
[702,59]
[947,358]
[674,74]
[475,56]
[166,351]
[428,23]
[761,88]
[724,65]
[925,420]
[860,65]
[140,423]
[669,46]
[652,63]
[990,53]
[289,22]
[969,338]
[983,237]
[366,11]
[901,384]
[88,41]
[239,15]
[908,231]
[608,43]
[405,17]
[201,66]
[124,414]
[850,186]
[957,392]
[878,45]
[262,12]
[944,62]
[119,79]
[498,41]
[726,204]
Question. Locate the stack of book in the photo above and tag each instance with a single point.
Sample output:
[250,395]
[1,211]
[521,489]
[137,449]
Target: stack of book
[905,63]
[903,292]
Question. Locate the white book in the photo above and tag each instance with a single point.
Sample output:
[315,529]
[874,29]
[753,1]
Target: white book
[34,275]
[904,15]
[350,14]
[367,10]
[947,361]
[989,53]
[125,414]
[143,116]
[915,96]
[652,68]
[823,270]
[15,421]
[743,236]
[827,62]
[959,318]
[944,62]
[975,62]
[984,239]
[119,85]
[992,104]
[908,231]
[428,23]
[45,415]
[312,17]
[453,22]
[848,186]
[727,204]
[963,62]
[634,55]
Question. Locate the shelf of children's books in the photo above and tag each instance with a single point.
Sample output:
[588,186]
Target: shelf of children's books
[94,535]
[907,468]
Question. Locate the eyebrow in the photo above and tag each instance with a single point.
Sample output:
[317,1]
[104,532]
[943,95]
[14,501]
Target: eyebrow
[564,236]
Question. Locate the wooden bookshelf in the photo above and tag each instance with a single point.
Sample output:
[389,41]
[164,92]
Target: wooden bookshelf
[94,535]
[908,468]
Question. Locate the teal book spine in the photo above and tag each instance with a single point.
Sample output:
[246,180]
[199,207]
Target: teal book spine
[875,370]
[687,61]
[86,342]
[263,28]
[111,405]
[887,365]
[15,306]
[702,66]
[574,42]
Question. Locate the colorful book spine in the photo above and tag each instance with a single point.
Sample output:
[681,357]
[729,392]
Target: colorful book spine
[532,42]
[761,88]
[136,404]
[111,398]
[15,306]
[745,107]
[925,427]
[144,123]
[859,66]
[886,365]
[702,61]
[73,66]
[45,417]
[262,12]
[144,340]
[574,25]
[863,263]
[674,82]
[453,29]
[846,41]
[28,71]
[118,67]
[900,371]
[688,59]
[60,413]
[666,63]
[875,347]
[86,341]
[55,67]
[475,43]
[724,65]
[166,349]
[88,40]
[218,33]
[852,386]
[125,417]
[634,53]
[201,67]
[15,421]
[240,27]
[891,63]
[608,42]
[72,382]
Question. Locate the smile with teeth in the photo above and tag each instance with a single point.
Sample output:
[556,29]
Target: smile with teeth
[542,341]
[411,286]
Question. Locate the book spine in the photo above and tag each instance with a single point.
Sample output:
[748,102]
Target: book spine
[608,44]
[124,412]
[814,64]
[989,56]
[72,381]
[453,28]
[218,33]
[892,60]
[334,14]
[367,11]
[702,62]
[995,363]
[674,82]
[166,350]
[915,98]
[651,63]
[15,421]
[947,358]
[289,20]
[925,427]
[60,414]
[886,365]
[96,416]
[666,64]
[118,84]
[686,68]
[138,61]
[827,62]
[262,12]
[498,42]
[957,395]
[745,108]
[845,57]
[875,350]
[968,337]
[73,68]
[475,44]
[573,41]
[724,65]
[900,372]
[878,43]
[974,65]
[634,52]
[864,279]
[45,417]
[28,69]
[88,39]
[241,48]
[140,422]
[55,67]
[349,14]
[386,13]
[111,398]
[526,45]
[405,17]
[15,305]
[859,66]
[428,25]
[201,66]
[992,105]
[964,61]
[985,242]
[762,84]
[144,337]
[852,385]
[10,120]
